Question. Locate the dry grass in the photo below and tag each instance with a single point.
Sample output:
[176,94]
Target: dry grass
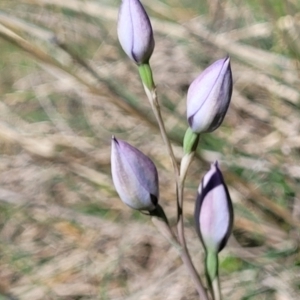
[66,87]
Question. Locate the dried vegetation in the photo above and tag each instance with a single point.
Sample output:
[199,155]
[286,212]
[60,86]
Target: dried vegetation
[66,87]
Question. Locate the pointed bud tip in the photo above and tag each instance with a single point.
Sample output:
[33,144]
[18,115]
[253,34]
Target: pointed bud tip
[114,140]
[227,58]
[215,164]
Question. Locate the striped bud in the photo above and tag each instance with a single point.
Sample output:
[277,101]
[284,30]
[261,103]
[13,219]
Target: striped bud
[135,31]
[134,176]
[214,211]
[209,97]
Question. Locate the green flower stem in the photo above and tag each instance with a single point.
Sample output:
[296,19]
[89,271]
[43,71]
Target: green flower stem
[211,264]
[146,76]
[212,273]
[190,141]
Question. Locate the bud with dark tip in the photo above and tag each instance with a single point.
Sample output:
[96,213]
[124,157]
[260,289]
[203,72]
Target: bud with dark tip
[209,97]
[134,176]
[214,211]
[135,31]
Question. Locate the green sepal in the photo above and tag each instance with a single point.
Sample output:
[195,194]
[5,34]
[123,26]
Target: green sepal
[190,141]
[212,266]
[146,76]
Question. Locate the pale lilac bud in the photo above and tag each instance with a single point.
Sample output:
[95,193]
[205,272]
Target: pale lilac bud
[135,31]
[213,211]
[134,175]
[209,97]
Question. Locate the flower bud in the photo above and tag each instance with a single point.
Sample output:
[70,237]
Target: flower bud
[214,211]
[134,175]
[135,31]
[209,97]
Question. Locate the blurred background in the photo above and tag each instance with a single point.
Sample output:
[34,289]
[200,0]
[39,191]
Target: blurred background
[67,87]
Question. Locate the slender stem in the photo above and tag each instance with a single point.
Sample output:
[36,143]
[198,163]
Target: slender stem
[212,273]
[185,256]
[185,163]
[184,166]
[150,90]
[216,288]
[152,96]
[180,245]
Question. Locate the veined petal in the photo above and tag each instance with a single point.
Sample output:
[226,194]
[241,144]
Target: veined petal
[125,28]
[214,229]
[134,175]
[214,211]
[209,97]
[135,31]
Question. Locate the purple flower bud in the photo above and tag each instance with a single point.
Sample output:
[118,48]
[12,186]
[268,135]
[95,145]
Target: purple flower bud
[134,175]
[135,31]
[214,211]
[209,97]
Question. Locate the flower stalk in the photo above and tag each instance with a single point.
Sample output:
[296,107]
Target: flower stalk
[207,103]
[146,76]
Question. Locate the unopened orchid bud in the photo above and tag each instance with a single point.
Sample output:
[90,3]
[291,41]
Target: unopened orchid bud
[209,96]
[135,31]
[214,211]
[135,176]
